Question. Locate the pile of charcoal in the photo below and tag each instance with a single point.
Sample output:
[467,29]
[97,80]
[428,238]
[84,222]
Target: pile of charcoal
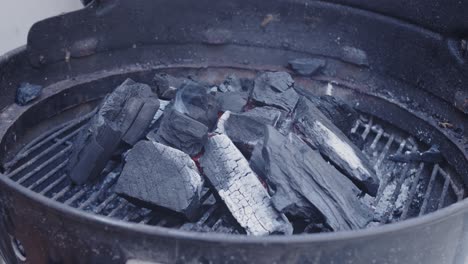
[271,152]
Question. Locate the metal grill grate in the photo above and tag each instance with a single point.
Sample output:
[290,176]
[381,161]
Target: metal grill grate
[407,190]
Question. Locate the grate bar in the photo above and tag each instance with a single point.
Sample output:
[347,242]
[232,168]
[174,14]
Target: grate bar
[44,153]
[367,129]
[413,188]
[45,164]
[121,205]
[61,193]
[384,152]
[54,184]
[429,189]
[386,181]
[377,139]
[34,145]
[103,205]
[49,174]
[444,193]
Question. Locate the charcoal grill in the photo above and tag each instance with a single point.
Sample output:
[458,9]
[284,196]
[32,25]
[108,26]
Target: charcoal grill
[407,79]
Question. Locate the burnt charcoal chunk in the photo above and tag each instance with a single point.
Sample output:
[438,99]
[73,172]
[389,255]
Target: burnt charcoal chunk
[322,134]
[342,115]
[181,132]
[157,175]
[240,128]
[167,85]
[354,55]
[124,116]
[240,189]
[307,66]
[275,89]
[433,155]
[231,84]
[232,101]
[305,185]
[195,101]
[27,92]
[266,115]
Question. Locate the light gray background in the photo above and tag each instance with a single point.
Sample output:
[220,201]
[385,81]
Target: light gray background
[17,16]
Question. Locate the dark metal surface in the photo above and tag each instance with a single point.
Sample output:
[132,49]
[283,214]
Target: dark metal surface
[416,70]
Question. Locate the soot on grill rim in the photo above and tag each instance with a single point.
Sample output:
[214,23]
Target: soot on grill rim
[235,154]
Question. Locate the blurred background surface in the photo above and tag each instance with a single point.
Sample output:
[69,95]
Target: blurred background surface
[17,16]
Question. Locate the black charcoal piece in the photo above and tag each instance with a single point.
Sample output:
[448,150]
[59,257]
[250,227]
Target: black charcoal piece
[240,189]
[266,115]
[181,132]
[307,66]
[433,155]
[167,85]
[232,101]
[195,101]
[27,92]
[354,55]
[305,185]
[158,175]
[240,129]
[275,89]
[124,116]
[343,115]
[231,84]
[322,134]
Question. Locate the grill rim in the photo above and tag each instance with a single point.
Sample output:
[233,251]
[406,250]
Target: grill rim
[458,208]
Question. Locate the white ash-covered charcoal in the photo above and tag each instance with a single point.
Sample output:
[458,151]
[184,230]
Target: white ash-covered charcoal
[181,132]
[275,89]
[124,116]
[195,101]
[266,115]
[322,134]
[307,66]
[240,189]
[158,175]
[162,107]
[167,85]
[305,185]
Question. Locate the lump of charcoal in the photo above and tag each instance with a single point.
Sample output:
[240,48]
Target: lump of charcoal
[354,55]
[181,132]
[433,155]
[343,115]
[232,101]
[275,89]
[167,85]
[26,93]
[240,189]
[266,115]
[322,134]
[162,107]
[124,116]
[195,101]
[231,84]
[305,185]
[240,128]
[158,175]
[307,66]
